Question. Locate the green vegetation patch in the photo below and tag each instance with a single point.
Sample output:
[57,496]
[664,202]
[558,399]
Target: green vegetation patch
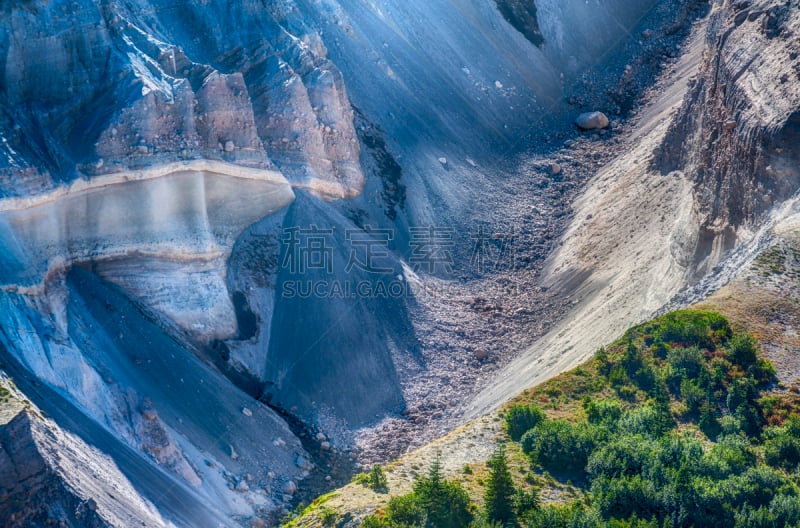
[676,434]
[374,480]
[317,509]
[676,424]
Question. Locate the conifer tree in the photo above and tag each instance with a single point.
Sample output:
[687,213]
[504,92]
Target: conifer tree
[499,495]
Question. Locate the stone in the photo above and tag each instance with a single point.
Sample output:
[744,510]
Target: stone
[555,169]
[289,487]
[303,463]
[229,146]
[592,121]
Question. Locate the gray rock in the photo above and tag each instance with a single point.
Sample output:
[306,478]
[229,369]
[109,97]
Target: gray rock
[592,121]
[303,463]
[289,488]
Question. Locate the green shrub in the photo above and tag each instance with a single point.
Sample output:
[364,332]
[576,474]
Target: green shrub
[605,412]
[644,420]
[692,394]
[783,510]
[762,371]
[742,350]
[566,516]
[525,502]
[328,516]
[742,403]
[628,454]
[372,521]
[709,423]
[689,360]
[374,480]
[693,327]
[782,446]
[522,418]
[405,510]
[617,376]
[560,446]
[730,455]
[482,522]
[627,393]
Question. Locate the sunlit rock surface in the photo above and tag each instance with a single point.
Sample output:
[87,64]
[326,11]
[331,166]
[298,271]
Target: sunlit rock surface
[164,235]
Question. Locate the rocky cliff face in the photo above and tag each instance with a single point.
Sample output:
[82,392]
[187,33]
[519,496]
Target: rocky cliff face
[736,135]
[96,87]
[74,484]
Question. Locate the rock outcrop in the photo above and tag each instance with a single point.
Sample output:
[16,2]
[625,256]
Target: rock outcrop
[99,87]
[52,478]
[737,133]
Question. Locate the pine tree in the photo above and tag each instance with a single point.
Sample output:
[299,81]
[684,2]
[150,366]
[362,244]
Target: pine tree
[661,404]
[445,503]
[708,420]
[499,495]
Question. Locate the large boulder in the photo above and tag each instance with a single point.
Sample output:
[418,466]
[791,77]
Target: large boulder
[592,121]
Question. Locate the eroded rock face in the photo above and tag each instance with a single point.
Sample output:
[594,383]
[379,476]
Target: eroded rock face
[98,87]
[164,234]
[50,478]
[139,393]
[737,132]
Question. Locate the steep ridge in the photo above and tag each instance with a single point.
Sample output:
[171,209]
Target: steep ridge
[78,485]
[736,135]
